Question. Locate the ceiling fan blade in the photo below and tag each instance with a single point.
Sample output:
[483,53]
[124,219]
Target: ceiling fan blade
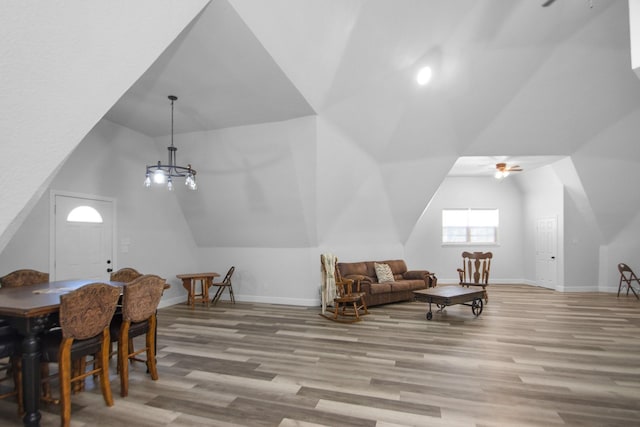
[515,168]
[548,3]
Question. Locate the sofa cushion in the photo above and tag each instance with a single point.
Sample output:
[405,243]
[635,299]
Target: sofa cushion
[352,268]
[383,273]
[398,266]
[407,285]
[380,288]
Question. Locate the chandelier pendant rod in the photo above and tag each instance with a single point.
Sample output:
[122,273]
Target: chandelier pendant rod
[162,173]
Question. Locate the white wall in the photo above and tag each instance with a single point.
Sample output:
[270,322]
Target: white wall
[543,197]
[269,275]
[424,249]
[581,250]
[625,248]
[152,235]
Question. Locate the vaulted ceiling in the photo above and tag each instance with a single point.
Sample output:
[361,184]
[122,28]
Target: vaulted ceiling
[296,105]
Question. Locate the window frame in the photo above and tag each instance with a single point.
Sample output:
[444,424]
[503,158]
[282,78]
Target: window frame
[469,228]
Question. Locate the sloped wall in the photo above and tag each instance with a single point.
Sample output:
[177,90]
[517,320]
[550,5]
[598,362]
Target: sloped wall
[64,65]
[152,234]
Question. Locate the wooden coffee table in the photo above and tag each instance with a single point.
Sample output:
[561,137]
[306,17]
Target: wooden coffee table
[443,296]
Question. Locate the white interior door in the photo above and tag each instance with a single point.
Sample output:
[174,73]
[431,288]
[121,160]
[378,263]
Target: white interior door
[82,238]
[546,252]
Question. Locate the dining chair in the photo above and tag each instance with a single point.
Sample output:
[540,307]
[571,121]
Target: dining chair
[125,274]
[23,277]
[475,270]
[12,367]
[225,284]
[85,315]
[140,301]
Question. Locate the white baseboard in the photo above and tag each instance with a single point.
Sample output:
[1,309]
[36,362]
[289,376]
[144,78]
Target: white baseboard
[305,302]
[172,301]
[250,298]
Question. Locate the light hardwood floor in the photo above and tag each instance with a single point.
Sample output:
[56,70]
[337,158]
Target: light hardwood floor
[534,357]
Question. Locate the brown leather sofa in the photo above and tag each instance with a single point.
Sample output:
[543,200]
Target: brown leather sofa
[401,289]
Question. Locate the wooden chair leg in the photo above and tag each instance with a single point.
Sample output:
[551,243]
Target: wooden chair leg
[103,360]
[233,299]
[46,387]
[364,305]
[123,359]
[64,365]
[130,348]
[151,345]
[16,366]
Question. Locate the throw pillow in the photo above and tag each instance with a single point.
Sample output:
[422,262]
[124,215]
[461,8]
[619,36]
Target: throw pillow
[384,273]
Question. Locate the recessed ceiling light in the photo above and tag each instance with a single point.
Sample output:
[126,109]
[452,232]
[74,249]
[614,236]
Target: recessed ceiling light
[424,75]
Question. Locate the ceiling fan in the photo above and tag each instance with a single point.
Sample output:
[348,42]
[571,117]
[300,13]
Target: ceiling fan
[502,170]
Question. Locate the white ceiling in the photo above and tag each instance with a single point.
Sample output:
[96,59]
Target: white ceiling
[222,76]
[486,165]
[513,81]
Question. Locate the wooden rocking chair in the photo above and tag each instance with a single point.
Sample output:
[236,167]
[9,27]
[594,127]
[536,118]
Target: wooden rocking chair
[348,302]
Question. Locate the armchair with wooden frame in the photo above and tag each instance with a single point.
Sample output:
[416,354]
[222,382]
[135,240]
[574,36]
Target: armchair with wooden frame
[475,270]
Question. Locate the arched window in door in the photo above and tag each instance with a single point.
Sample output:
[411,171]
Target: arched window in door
[84,214]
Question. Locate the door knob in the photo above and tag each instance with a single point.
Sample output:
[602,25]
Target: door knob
[109,270]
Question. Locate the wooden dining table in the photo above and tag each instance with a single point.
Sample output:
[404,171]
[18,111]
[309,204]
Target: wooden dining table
[32,310]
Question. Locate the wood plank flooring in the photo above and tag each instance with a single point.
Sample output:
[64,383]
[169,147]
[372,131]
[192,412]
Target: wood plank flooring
[534,357]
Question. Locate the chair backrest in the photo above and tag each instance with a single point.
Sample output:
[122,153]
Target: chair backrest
[345,287]
[85,312]
[23,277]
[475,267]
[626,274]
[140,298]
[125,275]
[227,278]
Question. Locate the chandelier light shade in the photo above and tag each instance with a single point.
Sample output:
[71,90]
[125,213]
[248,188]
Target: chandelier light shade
[164,174]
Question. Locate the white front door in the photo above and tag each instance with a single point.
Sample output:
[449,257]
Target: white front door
[546,252]
[82,237]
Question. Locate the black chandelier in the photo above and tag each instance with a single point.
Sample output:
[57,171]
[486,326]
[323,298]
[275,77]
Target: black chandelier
[160,174]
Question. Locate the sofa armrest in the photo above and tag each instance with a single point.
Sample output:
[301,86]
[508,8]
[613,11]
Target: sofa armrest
[429,278]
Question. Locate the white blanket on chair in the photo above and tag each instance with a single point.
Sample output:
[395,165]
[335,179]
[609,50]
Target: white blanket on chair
[328,286]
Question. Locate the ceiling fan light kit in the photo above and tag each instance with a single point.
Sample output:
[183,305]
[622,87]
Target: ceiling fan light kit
[503,171]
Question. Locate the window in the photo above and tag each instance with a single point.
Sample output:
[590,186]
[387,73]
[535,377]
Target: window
[84,214]
[470,226]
